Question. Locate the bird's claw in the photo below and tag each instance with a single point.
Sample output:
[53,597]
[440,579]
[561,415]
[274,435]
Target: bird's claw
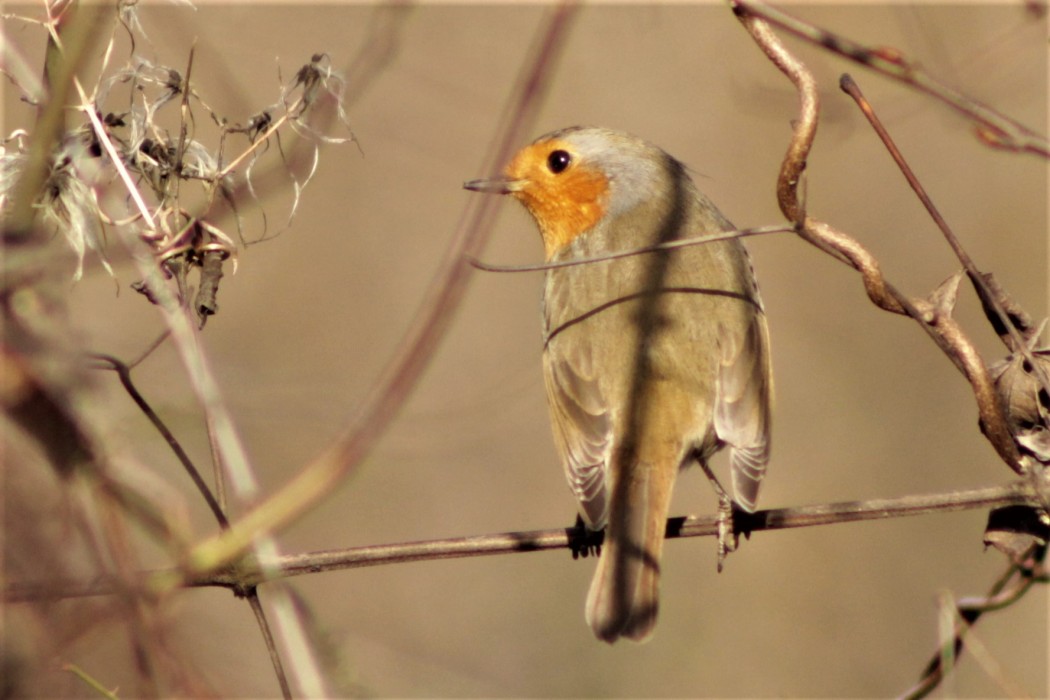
[584,542]
[727,535]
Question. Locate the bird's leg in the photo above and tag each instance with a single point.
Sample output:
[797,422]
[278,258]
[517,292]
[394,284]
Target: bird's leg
[727,536]
[584,542]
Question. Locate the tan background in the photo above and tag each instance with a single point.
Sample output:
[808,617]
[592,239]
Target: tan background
[866,405]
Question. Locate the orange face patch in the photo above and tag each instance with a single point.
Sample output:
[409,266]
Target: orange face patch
[564,204]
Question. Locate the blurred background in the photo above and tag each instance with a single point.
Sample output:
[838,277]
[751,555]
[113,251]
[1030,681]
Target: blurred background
[866,406]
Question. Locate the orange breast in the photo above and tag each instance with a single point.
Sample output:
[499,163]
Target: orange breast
[564,204]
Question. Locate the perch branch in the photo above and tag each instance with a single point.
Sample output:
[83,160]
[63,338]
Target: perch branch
[246,575]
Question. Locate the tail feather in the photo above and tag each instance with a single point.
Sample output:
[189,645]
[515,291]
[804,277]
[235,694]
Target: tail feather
[624,596]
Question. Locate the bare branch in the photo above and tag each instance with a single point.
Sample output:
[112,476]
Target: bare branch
[992,128]
[1008,589]
[936,321]
[246,575]
[124,373]
[989,296]
[271,645]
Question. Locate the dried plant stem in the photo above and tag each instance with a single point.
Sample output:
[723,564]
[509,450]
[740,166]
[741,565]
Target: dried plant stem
[990,297]
[230,452]
[182,332]
[90,681]
[1017,580]
[934,315]
[88,108]
[64,54]
[261,140]
[124,373]
[252,596]
[993,128]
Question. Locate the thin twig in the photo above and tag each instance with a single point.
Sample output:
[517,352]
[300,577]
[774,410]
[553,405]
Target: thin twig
[993,128]
[77,38]
[246,574]
[90,681]
[150,348]
[259,142]
[666,245]
[184,116]
[252,596]
[1006,590]
[124,373]
[88,108]
[989,298]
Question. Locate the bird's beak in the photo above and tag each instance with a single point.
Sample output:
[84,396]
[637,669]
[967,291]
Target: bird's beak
[500,185]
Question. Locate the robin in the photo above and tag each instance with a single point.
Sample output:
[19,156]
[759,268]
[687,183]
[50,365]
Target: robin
[651,361]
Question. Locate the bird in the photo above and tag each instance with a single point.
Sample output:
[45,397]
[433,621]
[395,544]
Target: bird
[652,361]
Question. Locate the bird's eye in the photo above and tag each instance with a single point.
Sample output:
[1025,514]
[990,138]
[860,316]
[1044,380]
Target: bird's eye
[558,160]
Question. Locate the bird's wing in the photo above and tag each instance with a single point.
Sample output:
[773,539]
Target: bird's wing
[582,430]
[742,407]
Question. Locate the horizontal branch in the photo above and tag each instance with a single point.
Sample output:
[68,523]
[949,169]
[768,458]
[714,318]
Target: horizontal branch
[247,574]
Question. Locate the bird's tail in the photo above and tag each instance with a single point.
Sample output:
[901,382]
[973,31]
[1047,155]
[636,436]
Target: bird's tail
[624,595]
